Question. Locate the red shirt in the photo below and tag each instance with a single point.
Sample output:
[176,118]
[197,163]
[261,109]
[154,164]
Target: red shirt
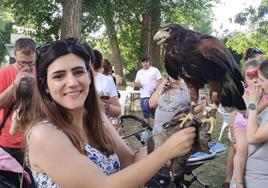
[7,76]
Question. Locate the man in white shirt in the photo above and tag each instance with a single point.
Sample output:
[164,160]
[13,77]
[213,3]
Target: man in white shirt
[106,88]
[147,79]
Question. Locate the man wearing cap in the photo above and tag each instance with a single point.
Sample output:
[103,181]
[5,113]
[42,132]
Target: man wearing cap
[147,79]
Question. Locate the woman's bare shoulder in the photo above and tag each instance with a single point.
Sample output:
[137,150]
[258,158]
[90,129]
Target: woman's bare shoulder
[45,131]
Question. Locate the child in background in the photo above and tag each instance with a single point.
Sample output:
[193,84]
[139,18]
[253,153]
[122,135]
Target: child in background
[256,171]
[23,98]
[250,53]
[250,72]
[253,53]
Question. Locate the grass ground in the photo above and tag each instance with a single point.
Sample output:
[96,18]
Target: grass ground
[212,172]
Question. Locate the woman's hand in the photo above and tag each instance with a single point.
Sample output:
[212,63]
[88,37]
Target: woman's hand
[163,87]
[105,103]
[138,84]
[255,94]
[160,89]
[21,74]
[105,100]
[179,143]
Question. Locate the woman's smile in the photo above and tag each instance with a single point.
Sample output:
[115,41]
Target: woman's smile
[68,81]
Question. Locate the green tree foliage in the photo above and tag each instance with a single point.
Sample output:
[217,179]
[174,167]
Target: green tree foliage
[196,15]
[6,19]
[255,18]
[42,15]
[45,17]
[256,34]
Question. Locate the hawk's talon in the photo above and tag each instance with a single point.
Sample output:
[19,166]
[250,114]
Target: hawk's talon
[186,118]
[211,121]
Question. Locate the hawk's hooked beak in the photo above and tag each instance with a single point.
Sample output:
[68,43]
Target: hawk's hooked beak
[161,36]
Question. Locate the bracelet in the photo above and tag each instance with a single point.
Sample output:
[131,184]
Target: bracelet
[158,93]
[238,181]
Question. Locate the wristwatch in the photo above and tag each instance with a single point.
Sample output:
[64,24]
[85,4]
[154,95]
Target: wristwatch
[252,106]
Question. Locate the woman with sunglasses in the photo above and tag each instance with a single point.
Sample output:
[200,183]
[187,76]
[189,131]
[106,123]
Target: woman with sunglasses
[69,142]
[256,172]
[239,127]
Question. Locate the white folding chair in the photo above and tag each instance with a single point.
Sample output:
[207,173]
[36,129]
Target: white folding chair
[225,117]
[131,96]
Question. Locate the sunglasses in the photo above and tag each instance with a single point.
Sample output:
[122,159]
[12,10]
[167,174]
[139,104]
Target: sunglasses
[44,47]
[24,63]
[71,42]
[254,51]
[252,74]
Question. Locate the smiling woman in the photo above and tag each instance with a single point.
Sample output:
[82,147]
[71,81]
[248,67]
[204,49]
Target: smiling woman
[83,149]
[67,82]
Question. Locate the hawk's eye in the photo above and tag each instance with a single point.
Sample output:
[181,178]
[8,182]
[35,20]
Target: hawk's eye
[167,29]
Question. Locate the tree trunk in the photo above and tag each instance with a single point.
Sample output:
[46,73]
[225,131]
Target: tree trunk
[116,57]
[71,19]
[145,34]
[155,25]
[150,25]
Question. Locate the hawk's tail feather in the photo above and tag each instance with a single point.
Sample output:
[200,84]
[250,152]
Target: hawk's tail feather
[232,93]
